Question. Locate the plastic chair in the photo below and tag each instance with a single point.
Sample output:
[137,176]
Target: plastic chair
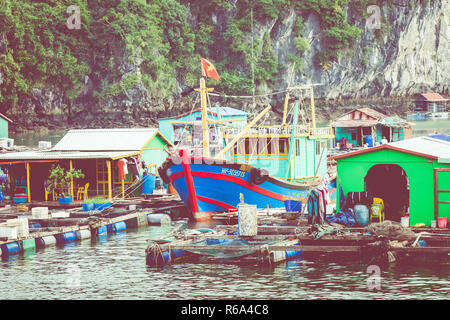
[82,192]
[377,210]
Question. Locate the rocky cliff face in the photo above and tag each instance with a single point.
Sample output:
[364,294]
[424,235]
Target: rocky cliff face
[407,55]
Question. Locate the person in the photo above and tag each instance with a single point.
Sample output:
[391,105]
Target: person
[384,140]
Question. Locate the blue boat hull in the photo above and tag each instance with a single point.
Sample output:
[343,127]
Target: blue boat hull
[218,186]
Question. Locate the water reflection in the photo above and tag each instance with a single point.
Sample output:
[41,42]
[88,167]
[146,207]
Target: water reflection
[113,267]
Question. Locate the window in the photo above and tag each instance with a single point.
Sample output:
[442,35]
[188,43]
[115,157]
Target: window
[297,148]
[318,147]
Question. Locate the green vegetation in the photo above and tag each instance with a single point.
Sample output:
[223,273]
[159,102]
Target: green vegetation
[59,179]
[158,43]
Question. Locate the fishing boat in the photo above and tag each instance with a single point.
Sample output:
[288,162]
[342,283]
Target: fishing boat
[267,165]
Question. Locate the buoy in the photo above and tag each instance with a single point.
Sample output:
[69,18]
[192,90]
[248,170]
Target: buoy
[28,245]
[66,237]
[102,230]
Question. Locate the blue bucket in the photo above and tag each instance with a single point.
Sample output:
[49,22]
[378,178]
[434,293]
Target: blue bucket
[361,215]
[88,206]
[65,200]
[148,183]
[293,205]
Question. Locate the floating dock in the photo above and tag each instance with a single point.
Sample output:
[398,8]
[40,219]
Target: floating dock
[20,232]
[281,237]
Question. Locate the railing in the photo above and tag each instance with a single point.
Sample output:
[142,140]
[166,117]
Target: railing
[299,130]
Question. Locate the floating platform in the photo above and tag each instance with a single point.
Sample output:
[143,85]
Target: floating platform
[76,224]
[276,243]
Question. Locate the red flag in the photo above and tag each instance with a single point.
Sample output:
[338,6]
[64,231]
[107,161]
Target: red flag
[208,70]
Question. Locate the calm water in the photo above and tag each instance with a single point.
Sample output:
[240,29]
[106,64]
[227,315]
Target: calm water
[114,268]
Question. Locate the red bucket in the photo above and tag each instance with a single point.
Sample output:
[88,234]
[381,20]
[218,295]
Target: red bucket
[442,223]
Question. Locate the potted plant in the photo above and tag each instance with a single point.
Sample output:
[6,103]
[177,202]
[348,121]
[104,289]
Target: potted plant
[89,204]
[60,181]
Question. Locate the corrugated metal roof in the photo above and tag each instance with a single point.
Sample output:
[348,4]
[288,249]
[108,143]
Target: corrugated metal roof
[56,155]
[223,111]
[105,139]
[426,145]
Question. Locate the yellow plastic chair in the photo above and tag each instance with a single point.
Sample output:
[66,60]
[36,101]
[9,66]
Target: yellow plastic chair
[47,193]
[82,192]
[377,210]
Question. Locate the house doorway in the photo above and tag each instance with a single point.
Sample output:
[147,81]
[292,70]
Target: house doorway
[390,183]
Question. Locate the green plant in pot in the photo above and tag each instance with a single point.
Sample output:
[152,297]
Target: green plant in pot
[60,181]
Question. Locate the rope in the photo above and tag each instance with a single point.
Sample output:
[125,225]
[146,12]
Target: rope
[154,249]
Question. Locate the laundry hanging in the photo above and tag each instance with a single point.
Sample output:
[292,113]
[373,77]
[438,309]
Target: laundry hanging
[123,168]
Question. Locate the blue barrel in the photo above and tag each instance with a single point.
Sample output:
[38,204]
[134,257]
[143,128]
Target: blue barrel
[34,225]
[119,226]
[102,230]
[293,206]
[148,183]
[10,248]
[369,141]
[361,215]
[66,237]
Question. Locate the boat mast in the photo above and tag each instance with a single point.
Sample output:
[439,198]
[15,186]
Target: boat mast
[313,112]
[205,126]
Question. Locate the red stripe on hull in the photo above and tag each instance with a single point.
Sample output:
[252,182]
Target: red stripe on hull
[219,176]
[217,203]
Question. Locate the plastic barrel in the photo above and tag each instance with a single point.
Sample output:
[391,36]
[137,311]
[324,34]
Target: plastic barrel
[369,141]
[159,218]
[10,248]
[119,226]
[83,234]
[66,237]
[102,230]
[361,215]
[45,242]
[34,225]
[291,254]
[28,245]
[148,183]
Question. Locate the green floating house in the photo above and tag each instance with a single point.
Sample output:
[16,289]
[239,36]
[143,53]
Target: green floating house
[367,126]
[4,131]
[410,175]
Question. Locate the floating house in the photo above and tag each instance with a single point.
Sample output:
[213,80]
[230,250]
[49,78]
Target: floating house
[5,141]
[186,128]
[412,176]
[429,105]
[96,152]
[367,126]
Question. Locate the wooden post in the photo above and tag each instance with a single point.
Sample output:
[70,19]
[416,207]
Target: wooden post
[71,180]
[28,182]
[108,164]
[286,102]
[123,189]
